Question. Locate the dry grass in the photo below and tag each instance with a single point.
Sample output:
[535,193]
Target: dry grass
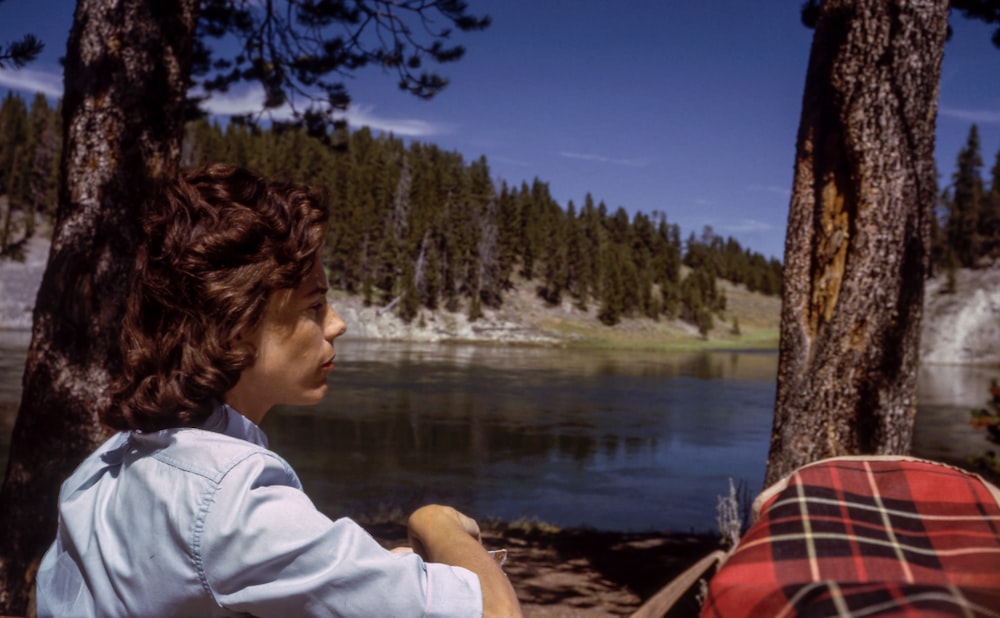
[758,317]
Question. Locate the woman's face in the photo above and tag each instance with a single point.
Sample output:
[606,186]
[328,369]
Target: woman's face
[294,346]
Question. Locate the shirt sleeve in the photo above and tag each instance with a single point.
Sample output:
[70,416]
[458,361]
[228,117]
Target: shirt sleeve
[261,547]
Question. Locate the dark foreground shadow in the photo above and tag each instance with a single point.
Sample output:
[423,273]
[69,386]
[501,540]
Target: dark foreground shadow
[584,572]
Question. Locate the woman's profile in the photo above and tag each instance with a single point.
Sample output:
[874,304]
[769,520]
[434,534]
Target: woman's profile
[185,511]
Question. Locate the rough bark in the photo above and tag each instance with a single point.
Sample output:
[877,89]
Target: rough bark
[126,75]
[857,244]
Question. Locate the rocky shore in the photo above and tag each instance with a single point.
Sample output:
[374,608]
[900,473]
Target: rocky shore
[962,327]
[19,283]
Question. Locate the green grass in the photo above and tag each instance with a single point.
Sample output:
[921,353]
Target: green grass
[662,336]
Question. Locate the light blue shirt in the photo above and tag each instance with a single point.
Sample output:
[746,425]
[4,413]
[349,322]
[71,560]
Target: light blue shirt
[209,522]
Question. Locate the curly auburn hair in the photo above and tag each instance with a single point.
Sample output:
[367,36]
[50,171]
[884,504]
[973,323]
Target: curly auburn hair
[215,244]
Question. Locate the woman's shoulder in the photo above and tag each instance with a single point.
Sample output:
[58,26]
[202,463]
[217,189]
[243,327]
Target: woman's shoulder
[210,454]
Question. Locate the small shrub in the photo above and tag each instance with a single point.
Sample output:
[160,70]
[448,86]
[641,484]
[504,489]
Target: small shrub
[989,419]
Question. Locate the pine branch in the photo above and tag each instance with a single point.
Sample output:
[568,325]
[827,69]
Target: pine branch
[20,53]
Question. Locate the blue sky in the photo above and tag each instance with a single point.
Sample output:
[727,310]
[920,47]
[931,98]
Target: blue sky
[687,107]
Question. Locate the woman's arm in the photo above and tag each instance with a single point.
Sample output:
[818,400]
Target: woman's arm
[442,534]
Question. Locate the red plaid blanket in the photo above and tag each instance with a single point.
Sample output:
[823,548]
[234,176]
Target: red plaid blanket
[867,537]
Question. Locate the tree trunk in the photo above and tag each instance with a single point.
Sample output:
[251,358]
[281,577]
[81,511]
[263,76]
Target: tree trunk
[126,76]
[858,232]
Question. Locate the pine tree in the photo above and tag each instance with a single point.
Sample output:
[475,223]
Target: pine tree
[428,276]
[555,271]
[618,227]
[643,243]
[531,228]
[45,142]
[13,135]
[409,304]
[508,233]
[990,221]
[594,240]
[612,301]
[16,216]
[488,275]
[857,232]
[963,228]
[577,258]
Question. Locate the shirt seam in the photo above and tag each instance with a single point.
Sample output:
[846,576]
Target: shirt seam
[208,500]
[217,473]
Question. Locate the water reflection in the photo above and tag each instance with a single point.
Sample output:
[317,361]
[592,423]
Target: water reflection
[946,393]
[615,440]
[13,350]
[607,439]
[610,439]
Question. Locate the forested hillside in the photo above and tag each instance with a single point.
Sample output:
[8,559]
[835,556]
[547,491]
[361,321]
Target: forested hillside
[414,226]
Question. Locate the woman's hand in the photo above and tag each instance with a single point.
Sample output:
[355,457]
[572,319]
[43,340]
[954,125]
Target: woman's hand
[442,534]
[429,520]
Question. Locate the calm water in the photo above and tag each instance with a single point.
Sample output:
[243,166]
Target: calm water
[612,440]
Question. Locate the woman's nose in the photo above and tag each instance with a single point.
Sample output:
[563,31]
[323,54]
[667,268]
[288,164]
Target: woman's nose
[334,326]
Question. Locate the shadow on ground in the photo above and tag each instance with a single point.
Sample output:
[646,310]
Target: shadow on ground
[585,573]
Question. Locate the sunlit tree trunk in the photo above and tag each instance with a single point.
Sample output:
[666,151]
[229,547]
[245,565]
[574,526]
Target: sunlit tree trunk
[126,76]
[858,232]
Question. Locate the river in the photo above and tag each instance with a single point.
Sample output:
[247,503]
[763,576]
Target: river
[614,440]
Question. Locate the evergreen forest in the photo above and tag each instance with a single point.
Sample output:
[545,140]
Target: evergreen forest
[415,226]
[967,225]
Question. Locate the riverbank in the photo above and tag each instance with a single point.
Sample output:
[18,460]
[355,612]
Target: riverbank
[957,328]
[750,322]
[583,573]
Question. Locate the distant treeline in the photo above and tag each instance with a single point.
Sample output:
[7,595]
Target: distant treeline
[30,143]
[967,231]
[415,226]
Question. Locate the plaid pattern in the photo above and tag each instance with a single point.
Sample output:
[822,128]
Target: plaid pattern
[867,537]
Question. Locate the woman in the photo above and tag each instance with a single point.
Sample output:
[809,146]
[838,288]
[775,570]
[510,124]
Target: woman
[185,512]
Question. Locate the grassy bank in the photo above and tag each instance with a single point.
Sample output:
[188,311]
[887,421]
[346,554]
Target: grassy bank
[750,322]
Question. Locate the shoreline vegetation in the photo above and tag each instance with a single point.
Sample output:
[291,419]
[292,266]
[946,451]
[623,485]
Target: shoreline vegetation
[749,322]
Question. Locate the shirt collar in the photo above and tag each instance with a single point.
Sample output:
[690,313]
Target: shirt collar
[226,420]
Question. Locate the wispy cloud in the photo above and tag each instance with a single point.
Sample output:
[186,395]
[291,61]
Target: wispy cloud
[249,101]
[243,101]
[510,161]
[30,81]
[783,191]
[981,116]
[603,159]
[358,115]
[747,225]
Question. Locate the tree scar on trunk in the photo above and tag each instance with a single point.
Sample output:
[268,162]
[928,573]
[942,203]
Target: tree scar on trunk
[835,218]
